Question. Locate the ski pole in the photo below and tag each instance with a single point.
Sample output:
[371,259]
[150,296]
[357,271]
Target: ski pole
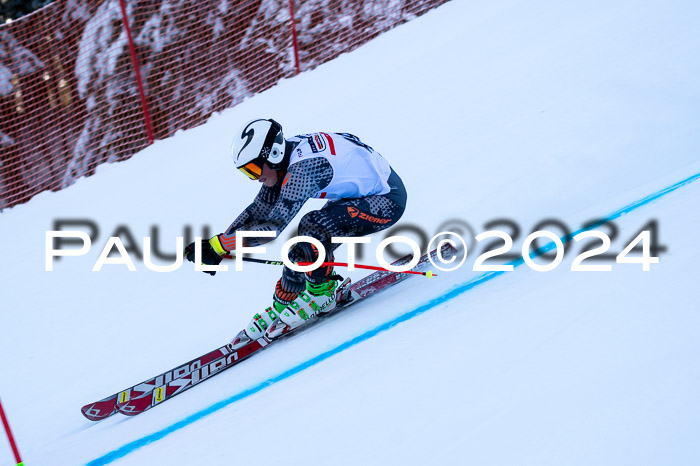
[428,274]
[9,436]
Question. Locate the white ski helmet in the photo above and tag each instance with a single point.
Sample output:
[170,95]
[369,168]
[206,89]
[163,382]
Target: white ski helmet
[257,142]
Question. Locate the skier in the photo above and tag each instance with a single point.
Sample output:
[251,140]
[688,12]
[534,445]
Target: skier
[365,196]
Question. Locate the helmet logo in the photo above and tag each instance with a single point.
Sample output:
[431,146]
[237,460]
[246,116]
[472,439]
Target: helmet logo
[249,134]
[259,141]
[353,212]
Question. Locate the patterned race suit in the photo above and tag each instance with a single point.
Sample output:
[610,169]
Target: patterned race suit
[365,196]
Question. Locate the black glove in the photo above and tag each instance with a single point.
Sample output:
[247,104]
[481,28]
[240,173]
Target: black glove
[209,255]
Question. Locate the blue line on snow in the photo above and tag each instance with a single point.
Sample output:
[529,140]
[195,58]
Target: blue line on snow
[453,293]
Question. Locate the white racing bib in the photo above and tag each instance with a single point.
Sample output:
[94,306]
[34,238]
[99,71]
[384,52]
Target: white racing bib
[358,170]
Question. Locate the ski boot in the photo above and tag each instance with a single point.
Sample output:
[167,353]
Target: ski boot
[317,299]
[270,318]
[256,328]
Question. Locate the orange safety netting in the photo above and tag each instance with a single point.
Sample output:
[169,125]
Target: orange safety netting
[70,100]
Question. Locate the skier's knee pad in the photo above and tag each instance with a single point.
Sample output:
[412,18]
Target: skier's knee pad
[307,252]
[288,288]
[291,281]
[320,275]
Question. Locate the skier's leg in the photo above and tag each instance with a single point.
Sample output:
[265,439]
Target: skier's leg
[300,296]
[348,217]
[292,287]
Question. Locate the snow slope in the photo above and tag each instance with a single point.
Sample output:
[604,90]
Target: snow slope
[523,110]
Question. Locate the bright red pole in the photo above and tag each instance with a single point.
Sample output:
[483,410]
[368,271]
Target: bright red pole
[428,274]
[294,37]
[370,267]
[137,72]
[10,437]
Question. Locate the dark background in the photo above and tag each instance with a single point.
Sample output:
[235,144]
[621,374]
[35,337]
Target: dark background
[15,8]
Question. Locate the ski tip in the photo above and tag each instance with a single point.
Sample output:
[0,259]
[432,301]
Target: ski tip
[100,409]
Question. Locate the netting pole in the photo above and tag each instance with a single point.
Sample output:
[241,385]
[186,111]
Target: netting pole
[9,436]
[137,72]
[294,36]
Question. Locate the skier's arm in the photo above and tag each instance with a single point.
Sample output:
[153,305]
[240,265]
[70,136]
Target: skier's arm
[257,211]
[303,180]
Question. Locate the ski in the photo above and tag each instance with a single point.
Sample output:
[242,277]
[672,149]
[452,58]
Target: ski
[108,406]
[156,390]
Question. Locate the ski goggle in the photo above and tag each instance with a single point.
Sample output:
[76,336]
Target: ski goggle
[252,170]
